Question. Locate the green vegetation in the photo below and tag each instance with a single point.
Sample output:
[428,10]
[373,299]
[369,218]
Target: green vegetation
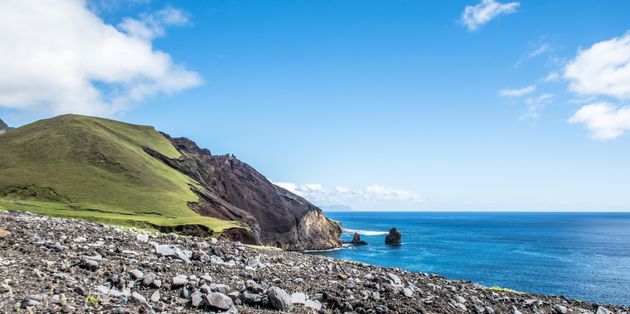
[92,168]
[501,289]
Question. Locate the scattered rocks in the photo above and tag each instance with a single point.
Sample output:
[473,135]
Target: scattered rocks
[44,269]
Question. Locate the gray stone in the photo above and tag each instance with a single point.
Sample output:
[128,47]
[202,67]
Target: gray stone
[602,310]
[148,280]
[254,262]
[381,309]
[179,280]
[196,299]
[80,290]
[218,301]
[279,299]
[28,303]
[408,292]
[142,237]
[561,309]
[138,298]
[395,279]
[298,298]
[313,304]
[155,296]
[136,274]
[90,264]
[253,286]
[251,297]
[130,254]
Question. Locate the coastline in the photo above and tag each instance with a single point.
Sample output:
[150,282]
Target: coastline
[74,265]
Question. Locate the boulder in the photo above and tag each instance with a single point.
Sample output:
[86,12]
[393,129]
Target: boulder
[356,240]
[219,301]
[393,237]
[279,299]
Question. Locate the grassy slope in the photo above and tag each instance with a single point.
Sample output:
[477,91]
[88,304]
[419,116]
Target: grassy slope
[97,170]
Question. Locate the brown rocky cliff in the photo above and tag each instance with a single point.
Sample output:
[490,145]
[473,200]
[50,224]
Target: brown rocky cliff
[233,190]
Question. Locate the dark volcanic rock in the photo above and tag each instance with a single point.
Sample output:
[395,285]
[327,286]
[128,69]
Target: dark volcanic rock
[233,190]
[4,127]
[356,239]
[393,237]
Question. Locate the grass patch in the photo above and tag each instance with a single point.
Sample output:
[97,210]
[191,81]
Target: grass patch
[263,247]
[501,289]
[96,169]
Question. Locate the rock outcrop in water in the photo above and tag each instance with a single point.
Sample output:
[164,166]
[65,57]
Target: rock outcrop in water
[356,239]
[393,237]
[51,265]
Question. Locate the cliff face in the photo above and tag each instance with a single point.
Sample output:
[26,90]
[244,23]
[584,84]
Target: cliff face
[3,127]
[233,190]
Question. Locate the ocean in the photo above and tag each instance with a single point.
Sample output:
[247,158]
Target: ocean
[584,256]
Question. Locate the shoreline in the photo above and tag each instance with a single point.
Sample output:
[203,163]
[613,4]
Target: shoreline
[56,264]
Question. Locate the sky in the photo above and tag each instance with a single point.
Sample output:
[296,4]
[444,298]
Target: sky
[363,104]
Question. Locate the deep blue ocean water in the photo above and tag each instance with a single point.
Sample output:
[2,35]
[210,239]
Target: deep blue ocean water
[584,256]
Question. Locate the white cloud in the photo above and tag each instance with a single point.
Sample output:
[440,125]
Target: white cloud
[605,121]
[319,194]
[536,48]
[603,69]
[535,105]
[517,92]
[552,77]
[482,13]
[152,25]
[57,56]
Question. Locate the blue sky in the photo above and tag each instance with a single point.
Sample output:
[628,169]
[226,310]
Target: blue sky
[377,105]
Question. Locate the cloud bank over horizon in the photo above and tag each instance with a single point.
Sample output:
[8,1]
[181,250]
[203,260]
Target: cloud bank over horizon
[360,198]
[59,57]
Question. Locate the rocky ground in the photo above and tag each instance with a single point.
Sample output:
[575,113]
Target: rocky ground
[62,265]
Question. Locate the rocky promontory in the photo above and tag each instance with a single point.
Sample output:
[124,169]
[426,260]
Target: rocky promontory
[62,265]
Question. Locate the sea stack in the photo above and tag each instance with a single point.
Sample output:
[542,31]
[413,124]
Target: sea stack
[393,237]
[356,240]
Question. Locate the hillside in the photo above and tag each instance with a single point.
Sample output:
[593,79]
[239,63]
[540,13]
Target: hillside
[109,171]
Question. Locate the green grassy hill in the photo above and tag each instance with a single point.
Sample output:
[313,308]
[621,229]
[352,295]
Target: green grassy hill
[93,168]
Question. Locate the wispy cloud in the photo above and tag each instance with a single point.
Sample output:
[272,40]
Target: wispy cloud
[57,57]
[517,92]
[152,25]
[536,48]
[535,105]
[320,194]
[475,16]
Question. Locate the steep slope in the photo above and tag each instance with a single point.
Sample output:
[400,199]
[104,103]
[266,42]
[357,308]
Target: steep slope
[110,171]
[234,190]
[3,127]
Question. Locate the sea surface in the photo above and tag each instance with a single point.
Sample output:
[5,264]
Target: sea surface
[584,256]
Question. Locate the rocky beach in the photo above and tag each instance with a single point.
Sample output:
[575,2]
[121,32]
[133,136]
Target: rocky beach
[64,265]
